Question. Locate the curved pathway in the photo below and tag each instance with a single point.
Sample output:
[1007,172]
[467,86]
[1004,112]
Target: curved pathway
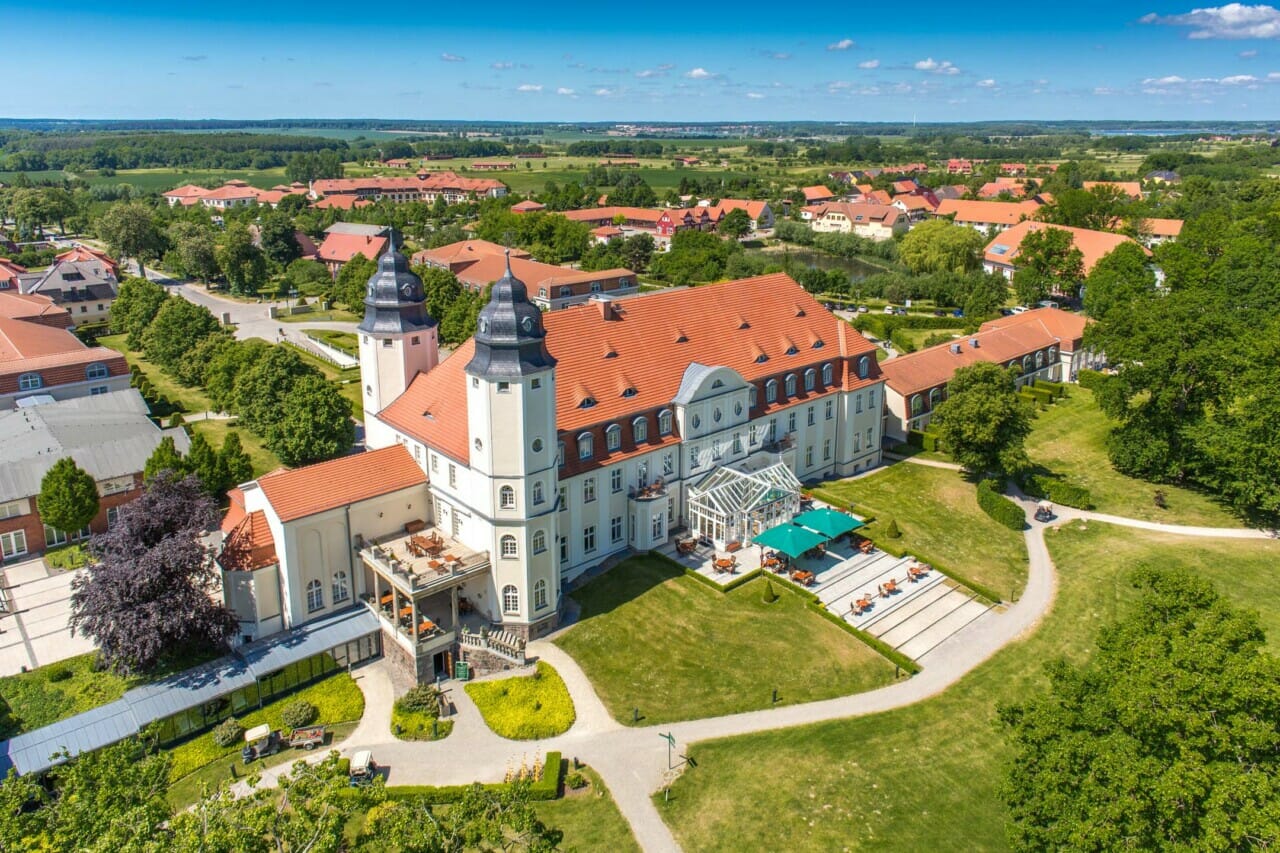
[633,760]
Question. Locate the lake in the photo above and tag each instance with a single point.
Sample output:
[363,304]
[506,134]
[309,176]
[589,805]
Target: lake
[856,269]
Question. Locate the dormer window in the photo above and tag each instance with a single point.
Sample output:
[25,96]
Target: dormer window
[613,437]
[587,403]
[629,392]
[639,430]
[664,422]
[791,350]
[586,446]
[826,374]
[717,384]
[864,366]
[761,358]
[791,384]
[97,370]
[771,391]
[818,344]
[810,379]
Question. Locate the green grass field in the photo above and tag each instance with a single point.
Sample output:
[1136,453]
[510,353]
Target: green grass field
[1069,438]
[937,512]
[653,639]
[526,707]
[55,692]
[926,777]
[588,818]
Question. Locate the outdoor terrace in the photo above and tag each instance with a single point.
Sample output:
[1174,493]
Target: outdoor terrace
[424,561]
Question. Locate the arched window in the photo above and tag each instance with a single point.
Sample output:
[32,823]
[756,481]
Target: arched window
[935,397]
[538,495]
[560,455]
[1026,363]
[315,596]
[507,497]
[640,430]
[97,370]
[539,541]
[613,437]
[1039,359]
[664,422]
[540,594]
[771,391]
[917,405]
[755,396]
[1053,354]
[826,374]
[510,599]
[585,446]
[1014,363]
[508,546]
[791,385]
[29,381]
[341,591]
[864,367]
[810,379]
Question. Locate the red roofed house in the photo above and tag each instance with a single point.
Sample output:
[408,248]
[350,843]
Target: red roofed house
[80,252]
[1133,189]
[662,224]
[1154,231]
[231,194]
[959,167]
[872,221]
[9,273]
[42,359]
[527,206]
[545,445]
[425,186]
[760,212]
[987,216]
[340,246]
[1001,254]
[1045,343]
[34,308]
[817,194]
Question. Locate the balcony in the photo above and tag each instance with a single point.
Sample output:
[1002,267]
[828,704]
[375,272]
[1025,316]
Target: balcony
[414,573]
[653,491]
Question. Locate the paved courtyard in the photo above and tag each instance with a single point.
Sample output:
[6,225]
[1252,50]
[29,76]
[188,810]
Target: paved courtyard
[33,629]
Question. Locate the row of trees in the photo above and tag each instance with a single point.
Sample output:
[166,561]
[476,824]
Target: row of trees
[36,152]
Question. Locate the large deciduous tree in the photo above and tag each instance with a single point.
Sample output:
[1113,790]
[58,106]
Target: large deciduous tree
[736,224]
[153,592]
[276,237]
[982,422]
[130,230]
[178,327]
[1119,277]
[314,423]
[194,252]
[242,263]
[353,279]
[135,307]
[1048,261]
[1168,738]
[68,496]
[941,246]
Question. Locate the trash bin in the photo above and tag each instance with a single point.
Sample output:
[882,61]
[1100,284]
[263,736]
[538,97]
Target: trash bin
[462,671]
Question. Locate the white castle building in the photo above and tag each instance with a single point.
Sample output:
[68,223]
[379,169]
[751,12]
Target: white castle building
[543,446]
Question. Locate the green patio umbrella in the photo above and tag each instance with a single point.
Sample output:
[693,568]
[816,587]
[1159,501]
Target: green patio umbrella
[790,539]
[827,521]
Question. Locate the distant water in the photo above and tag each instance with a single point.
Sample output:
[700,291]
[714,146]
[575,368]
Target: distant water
[856,269]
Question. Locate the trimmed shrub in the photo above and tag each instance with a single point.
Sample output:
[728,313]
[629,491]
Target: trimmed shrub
[770,594]
[298,714]
[228,732]
[1090,379]
[1057,490]
[915,438]
[931,441]
[575,781]
[891,529]
[423,699]
[1057,389]
[1000,508]
[176,420]
[58,673]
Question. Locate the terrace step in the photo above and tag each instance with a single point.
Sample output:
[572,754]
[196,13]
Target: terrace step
[925,619]
[925,593]
[957,620]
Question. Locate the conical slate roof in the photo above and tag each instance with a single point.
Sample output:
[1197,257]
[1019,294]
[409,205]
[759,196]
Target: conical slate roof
[394,300]
[510,339]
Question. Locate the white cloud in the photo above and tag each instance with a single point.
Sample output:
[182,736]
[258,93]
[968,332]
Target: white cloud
[1274,75]
[933,66]
[869,63]
[987,84]
[1232,21]
[563,91]
[1238,80]
[652,72]
[529,87]
[1171,80]
[1247,54]
[699,74]
[755,96]
[501,66]
[1104,90]
[603,93]
[777,54]
[452,57]
[843,44]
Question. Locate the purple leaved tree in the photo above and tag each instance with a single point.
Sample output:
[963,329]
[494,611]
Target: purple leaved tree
[153,593]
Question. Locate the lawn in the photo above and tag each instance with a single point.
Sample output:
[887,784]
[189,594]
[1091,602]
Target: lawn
[651,638]
[416,725]
[345,342]
[215,432]
[926,777]
[332,315]
[67,557]
[54,692]
[527,707]
[1069,438]
[937,512]
[347,379]
[588,818]
[337,700]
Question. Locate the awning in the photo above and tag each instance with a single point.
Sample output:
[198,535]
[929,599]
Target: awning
[827,521]
[790,539]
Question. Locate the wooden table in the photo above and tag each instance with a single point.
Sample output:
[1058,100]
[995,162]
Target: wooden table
[387,598]
[802,576]
[426,627]
[407,610]
[723,565]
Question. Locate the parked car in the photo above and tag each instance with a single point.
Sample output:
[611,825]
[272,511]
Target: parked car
[1006,312]
[261,741]
[1020,309]
[862,309]
[888,309]
[1046,303]
[1044,511]
[362,769]
[957,313]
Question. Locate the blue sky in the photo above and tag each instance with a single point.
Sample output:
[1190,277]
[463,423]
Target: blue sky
[617,61]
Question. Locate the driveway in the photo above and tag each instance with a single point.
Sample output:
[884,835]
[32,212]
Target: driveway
[33,631]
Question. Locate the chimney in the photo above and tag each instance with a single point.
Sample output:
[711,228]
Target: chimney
[973,342]
[955,349]
[608,310]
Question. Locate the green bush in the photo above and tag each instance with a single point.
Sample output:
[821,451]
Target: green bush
[524,707]
[1000,508]
[423,699]
[227,733]
[915,438]
[1057,389]
[298,714]
[1057,490]
[176,420]
[575,781]
[1091,379]
[930,441]
[770,594]
[1043,395]
[891,530]
[58,673]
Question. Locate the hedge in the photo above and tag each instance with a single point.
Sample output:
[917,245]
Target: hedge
[546,788]
[733,584]
[1000,508]
[1090,379]
[884,325]
[1043,395]
[1057,490]
[915,438]
[932,441]
[1056,388]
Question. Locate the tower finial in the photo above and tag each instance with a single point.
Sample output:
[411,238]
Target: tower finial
[508,254]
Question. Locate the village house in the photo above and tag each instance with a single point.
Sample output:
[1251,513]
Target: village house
[759,212]
[425,187]
[817,195]
[957,166]
[10,274]
[234,193]
[917,205]
[41,358]
[109,435]
[344,240]
[870,221]
[1001,254]
[1132,189]
[1153,231]
[527,206]
[988,217]
[494,166]
[86,288]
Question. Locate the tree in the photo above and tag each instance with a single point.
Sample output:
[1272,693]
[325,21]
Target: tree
[986,295]
[941,246]
[1095,209]
[202,462]
[1169,736]
[1048,261]
[68,496]
[695,256]
[308,277]
[135,307]
[193,370]
[165,458]
[194,252]
[315,423]
[459,323]
[242,263]
[224,369]
[154,588]
[736,224]
[441,289]
[130,230]
[233,462]
[262,387]
[481,819]
[637,250]
[353,280]
[276,236]
[982,423]
[1117,279]
[178,327]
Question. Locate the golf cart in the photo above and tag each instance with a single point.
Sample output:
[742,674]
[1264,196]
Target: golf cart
[260,741]
[362,769]
[1044,511]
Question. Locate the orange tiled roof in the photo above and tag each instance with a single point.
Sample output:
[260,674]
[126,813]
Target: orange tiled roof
[33,307]
[1093,245]
[754,209]
[249,544]
[340,248]
[186,191]
[232,191]
[1133,189]
[527,206]
[1162,227]
[863,212]
[988,212]
[648,348]
[349,479]
[818,193]
[341,202]
[463,253]
[1066,326]
[80,252]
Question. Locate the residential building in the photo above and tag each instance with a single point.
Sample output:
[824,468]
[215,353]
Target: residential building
[425,186]
[1010,186]
[34,308]
[1133,189]
[1016,170]
[917,205]
[760,213]
[871,221]
[48,362]
[10,273]
[1154,231]
[494,166]
[81,252]
[479,263]
[344,240]
[817,195]
[1001,254]
[234,193]
[907,185]
[1045,343]
[85,288]
[988,217]
[662,224]
[110,436]
[528,206]
[957,166]
[1162,176]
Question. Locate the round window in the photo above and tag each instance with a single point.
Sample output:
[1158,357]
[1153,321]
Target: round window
[527,324]
[483,325]
[737,408]
[537,445]
[715,416]
[697,421]
[479,444]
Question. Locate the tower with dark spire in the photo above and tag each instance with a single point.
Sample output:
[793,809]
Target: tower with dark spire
[398,338]
[510,339]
